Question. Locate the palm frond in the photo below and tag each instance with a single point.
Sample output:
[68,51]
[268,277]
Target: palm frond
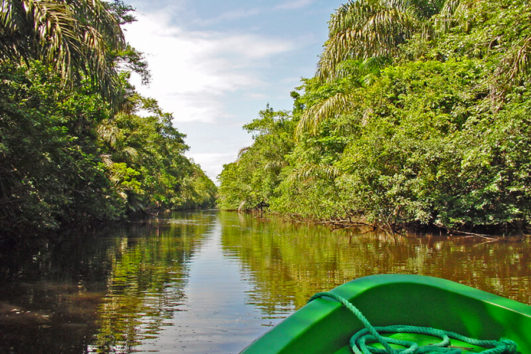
[131,152]
[364,29]
[514,66]
[311,118]
[310,171]
[75,36]
[108,133]
[520,60]
[445,19]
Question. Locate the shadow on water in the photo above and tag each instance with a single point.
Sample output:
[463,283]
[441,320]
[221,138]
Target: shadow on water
[98,293]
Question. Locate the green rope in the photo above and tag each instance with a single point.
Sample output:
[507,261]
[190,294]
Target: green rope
[360,341]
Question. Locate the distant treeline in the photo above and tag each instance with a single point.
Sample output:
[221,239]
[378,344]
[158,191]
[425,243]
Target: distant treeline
[73,148]
[419,116]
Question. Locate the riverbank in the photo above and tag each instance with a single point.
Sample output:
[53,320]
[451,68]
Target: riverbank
[31,237]
[364,226]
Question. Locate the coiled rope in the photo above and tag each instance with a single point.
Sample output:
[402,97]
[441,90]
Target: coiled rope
[359,342]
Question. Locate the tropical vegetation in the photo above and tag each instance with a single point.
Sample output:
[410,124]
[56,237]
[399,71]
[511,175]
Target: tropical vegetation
[418,116]
[74,146]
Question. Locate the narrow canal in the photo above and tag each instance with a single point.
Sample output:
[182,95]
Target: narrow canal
[211,282]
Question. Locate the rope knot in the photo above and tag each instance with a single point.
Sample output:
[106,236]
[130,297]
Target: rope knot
[361,340]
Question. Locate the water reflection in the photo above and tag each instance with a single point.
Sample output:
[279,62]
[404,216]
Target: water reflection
[102,293]
[146,281]
[288,263]
[49,295]
[212,282]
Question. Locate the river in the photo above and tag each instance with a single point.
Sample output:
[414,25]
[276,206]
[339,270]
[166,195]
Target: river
[211,282]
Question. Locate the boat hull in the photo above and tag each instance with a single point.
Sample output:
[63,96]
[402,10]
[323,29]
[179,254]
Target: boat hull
[325,326]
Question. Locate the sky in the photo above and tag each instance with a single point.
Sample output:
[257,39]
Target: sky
[216,63]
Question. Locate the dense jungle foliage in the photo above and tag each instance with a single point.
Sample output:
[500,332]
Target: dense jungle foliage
[74,146]
[419,115]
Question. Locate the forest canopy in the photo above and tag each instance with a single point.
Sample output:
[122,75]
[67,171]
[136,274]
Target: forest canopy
[418,115]
[74,148]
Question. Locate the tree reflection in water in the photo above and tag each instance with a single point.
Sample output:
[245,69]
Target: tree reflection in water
[161,285]
[289,262]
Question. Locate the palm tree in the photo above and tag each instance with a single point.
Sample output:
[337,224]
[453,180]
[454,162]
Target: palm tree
[361,72]
[369,31]
[76,37]
[362,29]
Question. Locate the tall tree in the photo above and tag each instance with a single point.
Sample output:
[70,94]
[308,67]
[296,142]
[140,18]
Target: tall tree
[77,37]
[364,36]
[362,29]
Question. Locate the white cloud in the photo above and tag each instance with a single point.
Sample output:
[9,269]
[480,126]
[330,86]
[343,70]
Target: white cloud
[192,71]
[212,162]
[230,16]
[297,4]
[196,75]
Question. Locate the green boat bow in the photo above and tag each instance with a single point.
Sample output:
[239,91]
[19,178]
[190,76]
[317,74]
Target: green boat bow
[325,326]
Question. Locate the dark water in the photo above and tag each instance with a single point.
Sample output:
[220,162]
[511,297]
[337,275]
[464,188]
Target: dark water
[212,282]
